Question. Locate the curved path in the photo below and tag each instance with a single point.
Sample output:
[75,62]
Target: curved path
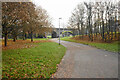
[83,61]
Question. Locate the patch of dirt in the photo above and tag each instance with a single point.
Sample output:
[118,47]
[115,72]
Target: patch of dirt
[21,44]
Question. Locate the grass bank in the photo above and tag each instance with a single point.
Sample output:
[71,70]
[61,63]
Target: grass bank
[39,61]
[113,47]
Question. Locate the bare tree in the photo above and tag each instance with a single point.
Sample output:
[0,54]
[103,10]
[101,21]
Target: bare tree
[77,18]
[89,8]
[45,22]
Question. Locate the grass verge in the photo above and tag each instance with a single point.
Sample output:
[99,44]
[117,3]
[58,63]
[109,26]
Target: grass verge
[36,39]
[113,47]
[35,62]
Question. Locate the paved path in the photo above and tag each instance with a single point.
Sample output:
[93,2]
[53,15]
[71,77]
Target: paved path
[82,61]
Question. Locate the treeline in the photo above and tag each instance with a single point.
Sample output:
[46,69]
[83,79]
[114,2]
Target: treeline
[97,20]
[24,18]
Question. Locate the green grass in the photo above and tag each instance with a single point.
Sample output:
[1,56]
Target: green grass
[34,39]
[65,38]
[113,47]
[35,62]
[49,36]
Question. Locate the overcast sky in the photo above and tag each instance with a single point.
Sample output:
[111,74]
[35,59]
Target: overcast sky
[58,8]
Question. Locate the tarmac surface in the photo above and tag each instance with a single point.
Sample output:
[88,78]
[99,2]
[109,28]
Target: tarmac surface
[83,61]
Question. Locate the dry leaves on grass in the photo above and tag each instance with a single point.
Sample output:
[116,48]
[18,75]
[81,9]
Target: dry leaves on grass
[97,39]
[21,44]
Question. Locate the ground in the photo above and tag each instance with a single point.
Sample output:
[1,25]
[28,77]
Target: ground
[39,60]
[111,46]
[83,61]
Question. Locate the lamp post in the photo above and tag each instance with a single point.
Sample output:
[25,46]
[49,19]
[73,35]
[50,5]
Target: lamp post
[63,29]
[59,30]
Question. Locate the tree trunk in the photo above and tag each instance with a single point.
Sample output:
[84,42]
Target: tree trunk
[14,39]
[91,35]
[103,30]
[97,30]
[115,33]
[5,41]
[86,31]
[96,34]
[109,30]
[115,25]
[31,36]
[79,32]
[78,29]
[89,30]
[112,28]
[23,36]
[111,34]
[82,30]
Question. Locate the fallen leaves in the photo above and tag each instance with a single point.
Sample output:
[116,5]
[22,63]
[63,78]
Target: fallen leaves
[32,62]
[21,44]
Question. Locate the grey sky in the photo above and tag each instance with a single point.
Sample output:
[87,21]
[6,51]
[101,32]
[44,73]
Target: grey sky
[58,8]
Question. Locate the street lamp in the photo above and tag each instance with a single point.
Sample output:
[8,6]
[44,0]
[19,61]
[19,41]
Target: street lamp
[59,30]
[63,29]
